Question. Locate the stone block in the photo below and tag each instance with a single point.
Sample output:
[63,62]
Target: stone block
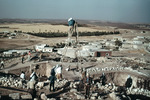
[80,97]
[14,96]
[43,96]
[99,98]
[94,94]
[73,90]
[24,97]
[93,98]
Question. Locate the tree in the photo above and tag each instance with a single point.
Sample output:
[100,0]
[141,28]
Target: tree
[118,43]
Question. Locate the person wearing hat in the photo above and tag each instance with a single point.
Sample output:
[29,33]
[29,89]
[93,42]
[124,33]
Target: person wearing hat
[71,23]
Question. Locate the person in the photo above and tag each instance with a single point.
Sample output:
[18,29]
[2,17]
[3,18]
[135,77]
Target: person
[53,71]
[128,83]
[22,59]
[103,79]
[52,79]
[22,75]
[32,83]
[33,76]
[29,56]
[88,85]
[59,72]
[71,23]
[2,64]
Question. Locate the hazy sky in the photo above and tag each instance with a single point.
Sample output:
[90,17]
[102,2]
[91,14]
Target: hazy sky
[134,11]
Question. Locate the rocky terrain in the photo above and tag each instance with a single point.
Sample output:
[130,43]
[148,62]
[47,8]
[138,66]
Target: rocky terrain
[128,60]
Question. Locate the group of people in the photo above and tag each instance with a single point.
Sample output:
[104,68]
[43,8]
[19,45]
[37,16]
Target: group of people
[87,81]
[31,83]
[56,74]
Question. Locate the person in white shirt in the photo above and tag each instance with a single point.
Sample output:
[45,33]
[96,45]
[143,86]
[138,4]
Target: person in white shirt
[59,72]
[33,76]
[32,82]
[22,75]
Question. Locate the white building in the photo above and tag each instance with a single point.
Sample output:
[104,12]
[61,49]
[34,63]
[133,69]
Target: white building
[110,43]
[47,49]
[39,47]
[10,52]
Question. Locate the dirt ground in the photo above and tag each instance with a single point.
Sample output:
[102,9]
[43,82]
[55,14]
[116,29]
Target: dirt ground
[25,42]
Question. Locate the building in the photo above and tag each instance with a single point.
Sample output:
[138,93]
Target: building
[15,52]
[47,49]
[40,47]
[102,53]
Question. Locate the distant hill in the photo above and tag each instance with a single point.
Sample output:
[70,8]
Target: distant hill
[81,23]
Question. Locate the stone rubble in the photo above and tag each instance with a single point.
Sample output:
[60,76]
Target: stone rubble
[105,69]
[25,97]
[11,82]
[139,91]
[15,96]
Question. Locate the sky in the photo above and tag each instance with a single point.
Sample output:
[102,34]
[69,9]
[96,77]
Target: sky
[128,11]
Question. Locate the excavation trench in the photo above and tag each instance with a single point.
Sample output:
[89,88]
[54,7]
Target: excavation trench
[116,77]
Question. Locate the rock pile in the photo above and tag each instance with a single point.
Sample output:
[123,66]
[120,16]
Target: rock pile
[105,69]
[11,82]
[139,91]
[60,84]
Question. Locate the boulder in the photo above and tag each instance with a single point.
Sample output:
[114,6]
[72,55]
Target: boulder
[113,96]
[51,99]
[99,85]
[73,90]
[24,97]
[61,98]
[40,85]
[43,96]
[99,98]
[93,98]
[14,96]
[94,94]
[80,97]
